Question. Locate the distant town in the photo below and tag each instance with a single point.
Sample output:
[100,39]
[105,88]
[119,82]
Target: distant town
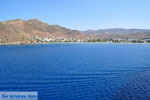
[54,39]
[61,39]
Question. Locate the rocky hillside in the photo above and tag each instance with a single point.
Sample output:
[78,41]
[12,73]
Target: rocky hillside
[21,31]
[116,31]
[34,31]
[119,33]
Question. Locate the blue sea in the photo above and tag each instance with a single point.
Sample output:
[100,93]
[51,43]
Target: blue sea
[77,71]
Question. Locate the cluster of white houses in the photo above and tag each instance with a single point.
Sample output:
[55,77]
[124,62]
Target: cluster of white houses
[62,39]
[145,40]
[59,39]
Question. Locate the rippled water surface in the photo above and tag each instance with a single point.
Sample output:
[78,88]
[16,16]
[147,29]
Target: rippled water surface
[77,71]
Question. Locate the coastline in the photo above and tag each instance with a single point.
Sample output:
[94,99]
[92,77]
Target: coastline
[11,44]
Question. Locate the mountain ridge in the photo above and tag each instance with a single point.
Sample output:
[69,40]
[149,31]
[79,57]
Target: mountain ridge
[21,31]
[116,31]
[24,31]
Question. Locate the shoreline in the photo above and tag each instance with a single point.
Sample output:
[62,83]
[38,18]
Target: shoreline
[11,44]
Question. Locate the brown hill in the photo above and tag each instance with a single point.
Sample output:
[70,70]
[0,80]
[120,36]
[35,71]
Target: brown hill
[21,31]
[119,33]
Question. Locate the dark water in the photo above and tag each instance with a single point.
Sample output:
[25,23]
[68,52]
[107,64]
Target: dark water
[77,71]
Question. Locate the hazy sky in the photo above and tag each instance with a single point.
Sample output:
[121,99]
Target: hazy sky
[80,14]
